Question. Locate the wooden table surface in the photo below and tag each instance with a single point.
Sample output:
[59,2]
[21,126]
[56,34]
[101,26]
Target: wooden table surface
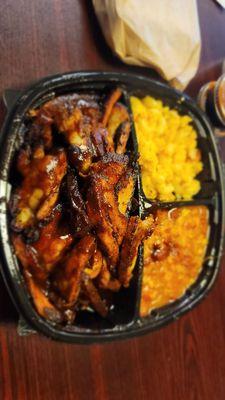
[185,360]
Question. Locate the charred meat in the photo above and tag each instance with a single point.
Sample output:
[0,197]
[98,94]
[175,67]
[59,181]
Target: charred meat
[70,213]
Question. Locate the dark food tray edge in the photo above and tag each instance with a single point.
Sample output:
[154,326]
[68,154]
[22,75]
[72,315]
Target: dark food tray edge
[131,329]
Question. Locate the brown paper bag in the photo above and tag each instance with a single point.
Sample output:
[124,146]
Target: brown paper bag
[163,34]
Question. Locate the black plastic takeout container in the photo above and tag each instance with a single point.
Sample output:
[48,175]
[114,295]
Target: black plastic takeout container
[125,321]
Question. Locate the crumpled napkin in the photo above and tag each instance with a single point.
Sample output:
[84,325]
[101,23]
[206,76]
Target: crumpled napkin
[221,2]
[164,35]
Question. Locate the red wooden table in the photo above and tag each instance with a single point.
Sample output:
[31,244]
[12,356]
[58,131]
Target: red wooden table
[185,360]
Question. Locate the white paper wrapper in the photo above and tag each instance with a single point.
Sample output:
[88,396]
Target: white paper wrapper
[221,2]
[163,34]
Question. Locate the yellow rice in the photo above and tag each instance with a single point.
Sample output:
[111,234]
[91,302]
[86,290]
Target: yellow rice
[169,157]
[181,236]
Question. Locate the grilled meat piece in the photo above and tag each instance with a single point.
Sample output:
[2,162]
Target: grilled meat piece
[79,219]
[74,115]
[61,279]
[97,211]
[81,158]
[125,190]
[38,193]
[41,256]
[110,102]
[29,259]
[118,116]
[105,279]
[67,279]
[122,136]
[37,290]
[41,302]
[111,166]
[94,297]
[100,142]
[137,231]
[95,265]
[39,134]
[53,241]
[118,221]
[23,160]
[102,205]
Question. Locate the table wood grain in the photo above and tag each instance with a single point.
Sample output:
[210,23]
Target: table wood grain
[185,360]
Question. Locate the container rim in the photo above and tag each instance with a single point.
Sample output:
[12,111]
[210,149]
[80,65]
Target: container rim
[14,116]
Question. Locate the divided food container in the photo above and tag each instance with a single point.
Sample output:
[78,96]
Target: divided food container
[124,320]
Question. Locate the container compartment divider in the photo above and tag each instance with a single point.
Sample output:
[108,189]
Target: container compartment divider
[124,320]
